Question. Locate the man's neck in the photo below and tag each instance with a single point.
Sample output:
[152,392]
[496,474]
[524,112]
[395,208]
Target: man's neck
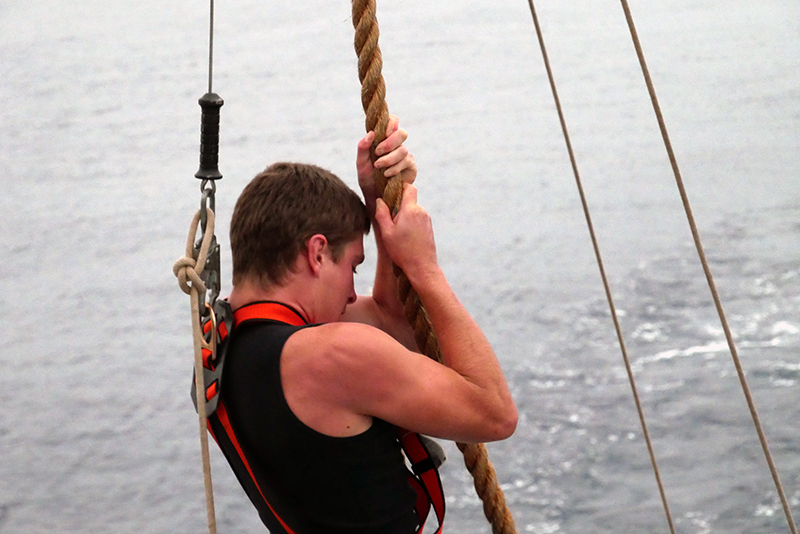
[247,292]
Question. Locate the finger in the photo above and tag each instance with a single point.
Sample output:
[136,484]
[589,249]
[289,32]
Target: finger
[365,144]
[392,158]
[409,195]
[362,155]
[392,125]
[366,141]
[396,139]
[382,216]
[407,168]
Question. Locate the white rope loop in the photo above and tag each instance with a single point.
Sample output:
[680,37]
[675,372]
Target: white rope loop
[187,269]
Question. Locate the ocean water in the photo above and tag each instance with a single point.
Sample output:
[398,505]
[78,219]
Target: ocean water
[99,141]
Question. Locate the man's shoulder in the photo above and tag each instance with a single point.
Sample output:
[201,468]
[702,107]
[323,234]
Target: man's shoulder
[339,362]
[340,335]
[341,345]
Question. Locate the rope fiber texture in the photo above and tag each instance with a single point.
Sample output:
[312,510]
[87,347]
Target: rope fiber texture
[373,100]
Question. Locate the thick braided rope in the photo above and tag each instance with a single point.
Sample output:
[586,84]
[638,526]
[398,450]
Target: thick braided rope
[476,458]
[373,100]
[187,269]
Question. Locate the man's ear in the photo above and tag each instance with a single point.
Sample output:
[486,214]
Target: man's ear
[315,248]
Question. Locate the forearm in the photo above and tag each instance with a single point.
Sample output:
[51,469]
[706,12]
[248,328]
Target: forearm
[409,241]
[463,345]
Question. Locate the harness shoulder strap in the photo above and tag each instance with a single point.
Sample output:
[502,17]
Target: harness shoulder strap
[226,320]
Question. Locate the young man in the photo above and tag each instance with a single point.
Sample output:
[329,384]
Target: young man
[314,396]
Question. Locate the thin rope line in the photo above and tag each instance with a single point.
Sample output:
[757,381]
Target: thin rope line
[706,269]
[197,334]
[188,269]
[210,44]
[600,265]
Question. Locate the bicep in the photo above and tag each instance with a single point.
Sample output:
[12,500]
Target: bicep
[387,381]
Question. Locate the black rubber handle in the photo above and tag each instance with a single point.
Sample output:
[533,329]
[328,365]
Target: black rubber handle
[209,137]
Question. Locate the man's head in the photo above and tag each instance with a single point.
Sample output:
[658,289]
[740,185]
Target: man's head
[280,209]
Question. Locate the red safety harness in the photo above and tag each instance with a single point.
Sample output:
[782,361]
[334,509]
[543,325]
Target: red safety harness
[423,476]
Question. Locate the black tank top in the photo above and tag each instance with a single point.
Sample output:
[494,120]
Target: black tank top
[318,484]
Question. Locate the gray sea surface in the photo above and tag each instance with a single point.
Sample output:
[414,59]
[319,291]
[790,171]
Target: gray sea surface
[99,131]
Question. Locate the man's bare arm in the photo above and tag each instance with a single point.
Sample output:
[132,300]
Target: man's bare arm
[365,372]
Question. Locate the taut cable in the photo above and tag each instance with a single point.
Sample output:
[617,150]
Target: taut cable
[601,267]
[706,269]
[210,44]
